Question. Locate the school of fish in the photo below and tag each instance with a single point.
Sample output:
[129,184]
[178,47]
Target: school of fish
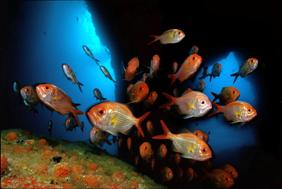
[117,118]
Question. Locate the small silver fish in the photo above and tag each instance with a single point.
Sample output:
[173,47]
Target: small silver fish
[71,76]
[216,70]
[98,95]
[90,54]
[194,50]
[248,67]
[170,36]
[201,85]
[107,73]
[205,73]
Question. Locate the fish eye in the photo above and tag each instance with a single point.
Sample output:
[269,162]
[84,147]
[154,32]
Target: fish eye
[101,112]
[203,102]
[233,92]
[204,150]
[140,88]
[193,57]
[249,110]
[47,87]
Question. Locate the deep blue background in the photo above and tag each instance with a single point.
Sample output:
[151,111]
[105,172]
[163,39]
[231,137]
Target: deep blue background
[39,36]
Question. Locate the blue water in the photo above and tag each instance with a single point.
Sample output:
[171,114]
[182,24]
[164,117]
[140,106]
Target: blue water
[53,33]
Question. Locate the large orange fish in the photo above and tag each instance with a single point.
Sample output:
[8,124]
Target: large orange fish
[57,100]
[187,69]
[188,144]
[190,104]
[114,118]
[237,111]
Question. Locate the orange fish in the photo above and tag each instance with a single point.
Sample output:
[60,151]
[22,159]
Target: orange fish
[146,151]
[137,92]
[188,144]
[114,118]
[174,67]
[151,99]
[231,170]
[220,178]
[187,69]
[227,95]
[237,111]
[155,65]
[57,100]
[131,69]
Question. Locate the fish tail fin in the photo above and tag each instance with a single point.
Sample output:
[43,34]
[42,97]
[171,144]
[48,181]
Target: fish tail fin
[156,38]
[202,77]
[218,110]
[166,131]
[96,60]
[210,76]
[139,122]
[216,96]
[172,77]
[236,75]
[79,84]
[172,100]
[76,112]
[205,73]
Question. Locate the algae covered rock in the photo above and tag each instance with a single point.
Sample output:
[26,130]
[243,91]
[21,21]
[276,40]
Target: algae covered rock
[28,161]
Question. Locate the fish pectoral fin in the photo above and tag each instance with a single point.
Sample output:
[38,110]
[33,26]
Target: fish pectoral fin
[235,122]
[75,104]
[186,156]
[188,117]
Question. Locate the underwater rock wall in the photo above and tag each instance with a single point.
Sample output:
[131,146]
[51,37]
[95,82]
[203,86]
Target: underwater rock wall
[28,161]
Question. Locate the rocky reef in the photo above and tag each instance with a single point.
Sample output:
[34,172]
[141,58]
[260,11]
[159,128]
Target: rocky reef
[28,161]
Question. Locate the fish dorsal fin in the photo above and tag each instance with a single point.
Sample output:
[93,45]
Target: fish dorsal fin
[129,87]
[185,130]
[187,91]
